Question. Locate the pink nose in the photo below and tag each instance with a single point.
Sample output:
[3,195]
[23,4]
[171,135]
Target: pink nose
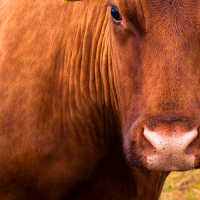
[170,148]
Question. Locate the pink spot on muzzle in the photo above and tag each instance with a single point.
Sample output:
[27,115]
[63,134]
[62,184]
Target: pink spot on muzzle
[170,154]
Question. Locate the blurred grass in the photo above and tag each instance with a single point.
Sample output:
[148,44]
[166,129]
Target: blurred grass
[182,186]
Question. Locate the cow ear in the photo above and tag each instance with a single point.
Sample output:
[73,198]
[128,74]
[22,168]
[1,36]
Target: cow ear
[67,1]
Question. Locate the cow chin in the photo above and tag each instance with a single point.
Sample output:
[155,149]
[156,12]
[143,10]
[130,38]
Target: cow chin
[162,149]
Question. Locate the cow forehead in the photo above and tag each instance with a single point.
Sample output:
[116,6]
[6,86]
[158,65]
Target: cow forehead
[183,12]
[174,18]
[159,4]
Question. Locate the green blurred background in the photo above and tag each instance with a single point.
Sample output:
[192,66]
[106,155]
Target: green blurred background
[182,186]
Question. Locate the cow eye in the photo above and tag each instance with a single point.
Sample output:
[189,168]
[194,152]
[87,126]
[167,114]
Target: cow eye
[115,14]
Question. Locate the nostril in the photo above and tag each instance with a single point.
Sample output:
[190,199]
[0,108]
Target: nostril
[147,146]
[154,139]
[178,142]
[193,146]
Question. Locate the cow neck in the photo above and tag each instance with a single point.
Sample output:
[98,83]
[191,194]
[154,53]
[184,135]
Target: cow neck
[89,96]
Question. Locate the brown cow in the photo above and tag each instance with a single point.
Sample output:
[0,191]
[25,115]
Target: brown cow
[90,90]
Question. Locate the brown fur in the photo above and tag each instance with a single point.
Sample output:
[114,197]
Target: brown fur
[158,71]
[76,91]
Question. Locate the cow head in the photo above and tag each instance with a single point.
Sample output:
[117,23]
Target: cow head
[156,54]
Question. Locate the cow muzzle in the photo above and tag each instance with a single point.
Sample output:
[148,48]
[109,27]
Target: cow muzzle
[170,146]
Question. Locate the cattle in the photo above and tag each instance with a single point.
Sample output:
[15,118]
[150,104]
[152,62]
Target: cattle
[98,99]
